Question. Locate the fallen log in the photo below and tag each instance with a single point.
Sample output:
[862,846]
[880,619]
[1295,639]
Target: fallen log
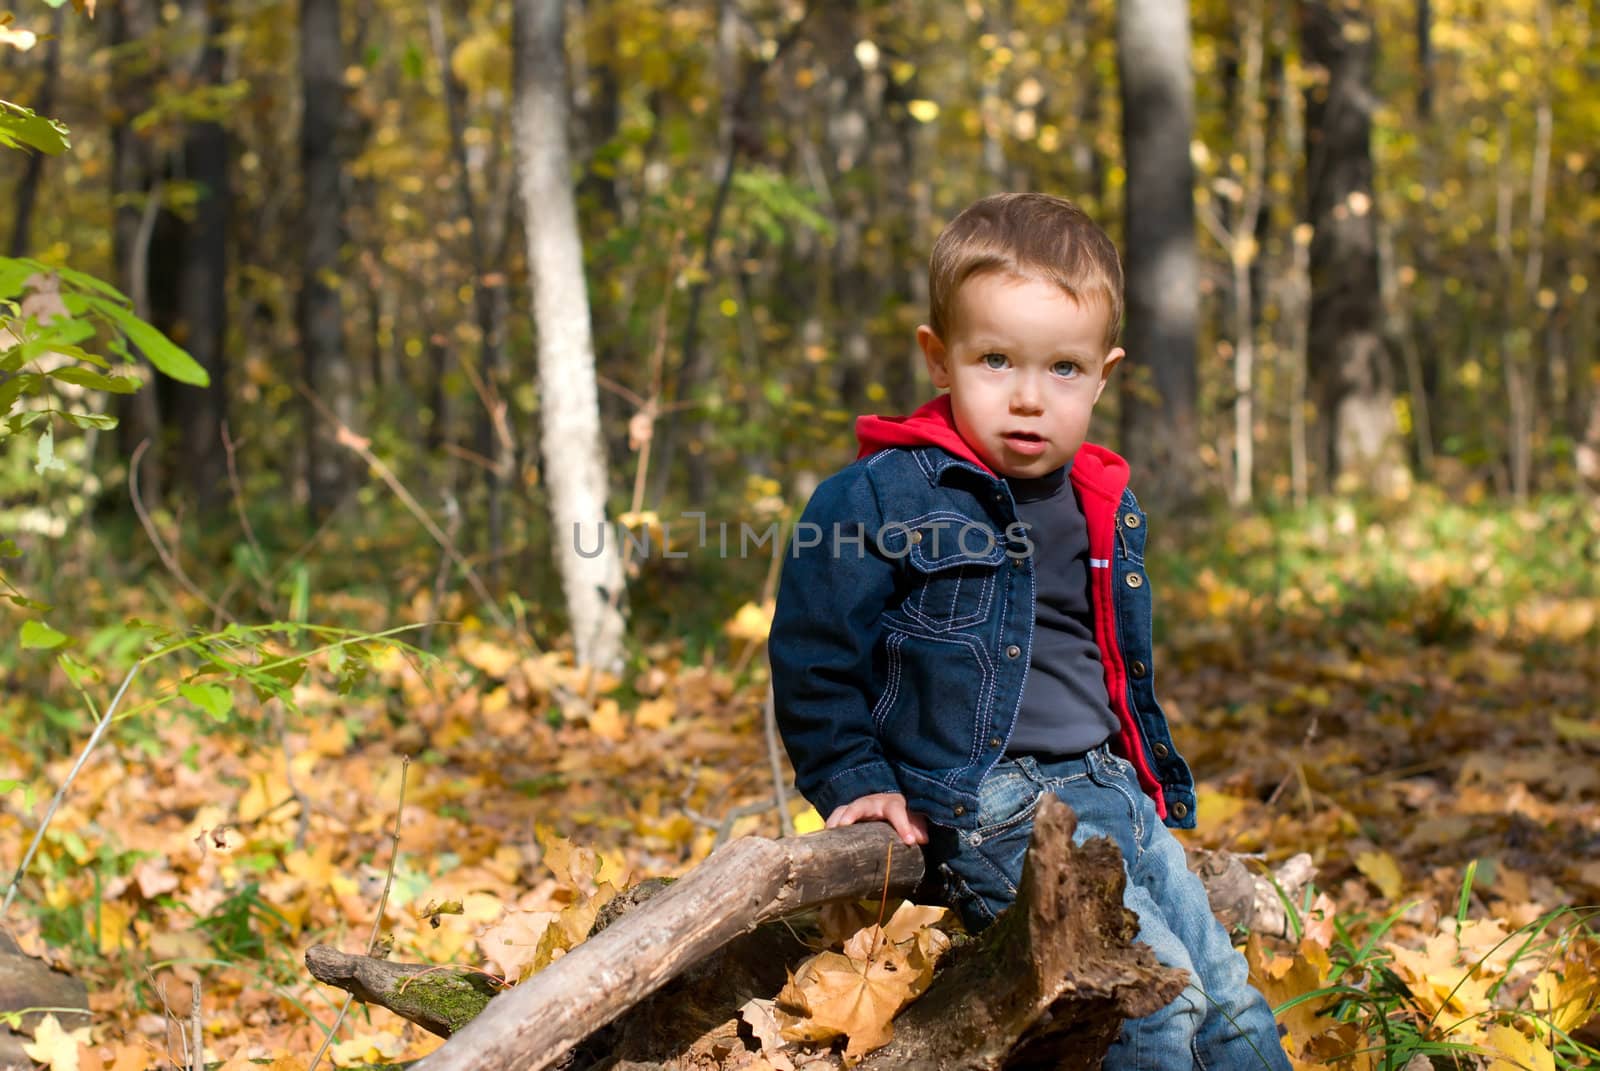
[26,983]
[439,999]
[705,931]
[741,885]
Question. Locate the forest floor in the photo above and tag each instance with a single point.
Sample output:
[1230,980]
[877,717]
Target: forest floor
[1414,701]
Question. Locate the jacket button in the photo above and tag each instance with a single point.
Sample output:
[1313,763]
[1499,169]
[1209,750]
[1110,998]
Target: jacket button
[1135,580]
[1013,651]
[1181,810]
[1131,520]
[995,741]
[1139,668]
[916,537]
[1016,563]
[1161,753]
[959,810]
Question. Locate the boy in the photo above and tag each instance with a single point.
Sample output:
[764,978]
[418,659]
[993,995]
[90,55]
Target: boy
[964,621]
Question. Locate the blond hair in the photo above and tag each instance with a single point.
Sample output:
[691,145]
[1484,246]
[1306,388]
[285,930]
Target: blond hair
[1032,235]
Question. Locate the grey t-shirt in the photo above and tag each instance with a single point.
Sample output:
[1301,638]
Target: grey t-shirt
[1064,704]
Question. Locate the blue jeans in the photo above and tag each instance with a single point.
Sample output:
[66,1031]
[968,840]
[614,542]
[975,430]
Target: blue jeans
[1219,1021]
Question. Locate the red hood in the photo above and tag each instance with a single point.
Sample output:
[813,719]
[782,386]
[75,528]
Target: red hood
[933,424]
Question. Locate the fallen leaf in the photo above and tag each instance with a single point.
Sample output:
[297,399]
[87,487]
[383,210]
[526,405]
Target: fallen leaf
[1515,1051]
[367,1049]
[1566,994]
[1381,869]
[55,1047]
[512,944]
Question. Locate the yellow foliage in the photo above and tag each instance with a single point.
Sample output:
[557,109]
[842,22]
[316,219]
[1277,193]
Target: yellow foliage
[751,623]
[1515,1051]
[482,61]
[857,992]
[1381,869]
[56,1047]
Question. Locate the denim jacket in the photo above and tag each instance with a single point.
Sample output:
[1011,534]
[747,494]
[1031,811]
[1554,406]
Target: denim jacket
[904,625]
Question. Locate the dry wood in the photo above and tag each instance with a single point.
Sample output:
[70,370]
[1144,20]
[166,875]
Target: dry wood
[440,999]
[26,982]
[29,983]
[706,940]
[1049,984]
[741,885]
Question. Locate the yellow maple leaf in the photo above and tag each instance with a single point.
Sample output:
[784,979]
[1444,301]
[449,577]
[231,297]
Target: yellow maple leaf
[1282,978]
[373,1048]
[606,721]
[1381,869]
[1454,993]
[55,1046]
[912,921]
[492,660]
[1566,994]
[856,993]
[1515,1051]
[751,623]
[809,821]
[655,713]
[511,944]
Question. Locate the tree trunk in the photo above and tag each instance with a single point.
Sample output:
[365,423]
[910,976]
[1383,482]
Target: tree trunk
[1296,300]
[202,299]
[1350,377]
[1588,451]
[136,201]
[492,429]
[1424,27]
[573,447]
[1160,394]
[45,104]
[328,373]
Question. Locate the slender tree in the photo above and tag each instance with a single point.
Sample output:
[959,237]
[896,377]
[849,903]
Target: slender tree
[33,170]
[328,372]
[136,198]
[569,409]
[201,302]
[1159,422]
[1350,377]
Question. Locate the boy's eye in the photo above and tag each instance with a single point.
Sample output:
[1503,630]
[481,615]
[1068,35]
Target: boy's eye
[994,360]
[1064,369]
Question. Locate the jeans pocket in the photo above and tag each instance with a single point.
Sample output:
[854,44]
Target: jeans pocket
[974,910]
[1005,800]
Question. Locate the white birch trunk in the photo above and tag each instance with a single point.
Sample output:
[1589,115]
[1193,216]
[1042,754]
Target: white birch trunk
[569,404]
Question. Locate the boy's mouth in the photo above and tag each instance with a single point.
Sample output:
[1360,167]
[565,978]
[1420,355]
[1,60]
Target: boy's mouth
[1024,442]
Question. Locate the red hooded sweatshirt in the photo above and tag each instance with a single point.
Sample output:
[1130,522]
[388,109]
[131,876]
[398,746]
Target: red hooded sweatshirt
[1099,476]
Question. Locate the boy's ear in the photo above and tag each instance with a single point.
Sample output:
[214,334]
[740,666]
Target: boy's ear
[933,352]
[1113,359]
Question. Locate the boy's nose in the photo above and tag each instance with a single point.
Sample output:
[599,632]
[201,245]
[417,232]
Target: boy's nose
[1025,397]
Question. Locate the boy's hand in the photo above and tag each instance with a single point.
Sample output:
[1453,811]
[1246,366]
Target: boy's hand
[883,807]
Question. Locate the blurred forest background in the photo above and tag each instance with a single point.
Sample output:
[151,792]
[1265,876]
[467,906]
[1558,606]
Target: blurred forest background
[464,274]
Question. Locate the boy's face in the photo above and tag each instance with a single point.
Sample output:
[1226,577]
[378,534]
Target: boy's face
[1024,364]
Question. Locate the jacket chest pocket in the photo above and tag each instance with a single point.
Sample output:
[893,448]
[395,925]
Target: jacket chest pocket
[954,577]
